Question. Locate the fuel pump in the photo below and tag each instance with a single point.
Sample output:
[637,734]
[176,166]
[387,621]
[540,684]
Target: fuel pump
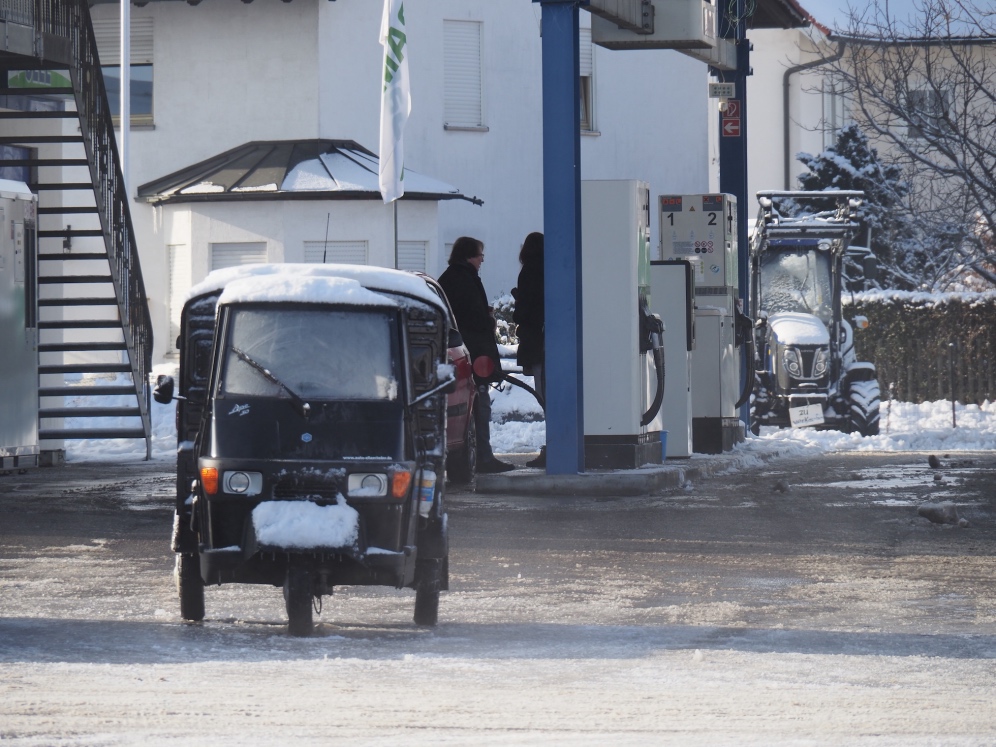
[703,230]
[624,366]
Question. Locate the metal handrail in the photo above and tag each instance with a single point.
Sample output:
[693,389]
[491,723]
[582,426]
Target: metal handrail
[70,19]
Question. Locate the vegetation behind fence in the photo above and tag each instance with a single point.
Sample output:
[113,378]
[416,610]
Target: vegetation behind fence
[923,344]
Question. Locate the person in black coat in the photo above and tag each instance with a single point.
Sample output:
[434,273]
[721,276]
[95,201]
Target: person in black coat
[530,323]
[474,316]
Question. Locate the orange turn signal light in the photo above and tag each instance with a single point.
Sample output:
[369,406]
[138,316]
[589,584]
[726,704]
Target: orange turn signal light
[209,479]
[400,482]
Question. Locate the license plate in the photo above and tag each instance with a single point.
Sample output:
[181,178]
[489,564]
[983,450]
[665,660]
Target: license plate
[805,415]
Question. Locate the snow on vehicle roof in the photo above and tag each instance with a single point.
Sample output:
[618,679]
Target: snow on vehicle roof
[312,283]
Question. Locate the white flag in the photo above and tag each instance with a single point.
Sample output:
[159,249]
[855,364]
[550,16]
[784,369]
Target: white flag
[396,100]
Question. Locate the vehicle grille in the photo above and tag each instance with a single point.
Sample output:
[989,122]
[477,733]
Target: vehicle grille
[323,490]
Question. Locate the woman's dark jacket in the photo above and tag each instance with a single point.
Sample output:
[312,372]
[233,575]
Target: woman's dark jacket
[528,314]
[465,292]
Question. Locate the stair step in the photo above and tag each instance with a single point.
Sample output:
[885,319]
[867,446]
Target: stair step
[82,368]
[43,161]
[109,301]
[67,210]
[89,412]
[73,232]
[61,186]
[86,391]
[80,347]
[59,279]
[38,115]
[28,91]
[81,324]
[63,256]
[40,139]
[46,434]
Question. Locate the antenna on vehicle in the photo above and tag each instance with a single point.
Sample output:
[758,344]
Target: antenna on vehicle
[325,251]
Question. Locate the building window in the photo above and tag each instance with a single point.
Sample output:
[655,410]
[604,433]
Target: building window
[463,106]
[585,84]
[236,253]
[336,252]
[928,111]
[107,29]
[836,113]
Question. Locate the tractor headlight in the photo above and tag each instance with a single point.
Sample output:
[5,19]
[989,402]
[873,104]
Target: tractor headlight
[790,359]
[822,362]
[242,483]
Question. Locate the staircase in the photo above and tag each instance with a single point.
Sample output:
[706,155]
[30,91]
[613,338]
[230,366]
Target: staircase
[95,333]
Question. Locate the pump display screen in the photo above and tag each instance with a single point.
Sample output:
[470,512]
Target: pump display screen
[797,279]
[310,353]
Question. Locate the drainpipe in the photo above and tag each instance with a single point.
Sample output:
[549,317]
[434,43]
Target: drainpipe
[785,102]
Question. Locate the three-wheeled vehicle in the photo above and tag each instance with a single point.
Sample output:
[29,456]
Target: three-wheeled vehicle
[311,425]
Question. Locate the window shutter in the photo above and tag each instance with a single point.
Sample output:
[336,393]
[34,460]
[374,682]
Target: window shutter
[462,100]
[411,255]
[336,252]
[234,254]
[108,33]
[584,41]
[179,284]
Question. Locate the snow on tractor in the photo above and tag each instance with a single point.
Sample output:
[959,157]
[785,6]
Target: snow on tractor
[806,371]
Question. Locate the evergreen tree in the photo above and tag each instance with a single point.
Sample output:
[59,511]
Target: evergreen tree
[851,164]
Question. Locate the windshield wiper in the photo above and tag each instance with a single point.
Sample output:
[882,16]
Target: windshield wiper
[304,406]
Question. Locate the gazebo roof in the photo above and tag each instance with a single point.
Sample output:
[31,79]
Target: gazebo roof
[288,170]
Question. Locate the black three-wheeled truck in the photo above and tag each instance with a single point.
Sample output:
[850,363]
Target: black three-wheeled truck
[311,423]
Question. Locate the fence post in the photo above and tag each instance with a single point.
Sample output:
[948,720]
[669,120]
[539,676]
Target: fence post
[951,374]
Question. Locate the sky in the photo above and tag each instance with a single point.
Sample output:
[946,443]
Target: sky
[518,428]
[835,13]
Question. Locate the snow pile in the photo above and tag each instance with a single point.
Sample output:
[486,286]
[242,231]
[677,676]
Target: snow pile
[304,525]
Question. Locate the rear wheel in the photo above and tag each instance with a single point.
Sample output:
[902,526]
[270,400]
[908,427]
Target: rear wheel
[298,599]
[427,592]
[864,400]
[190,587]
[461,464]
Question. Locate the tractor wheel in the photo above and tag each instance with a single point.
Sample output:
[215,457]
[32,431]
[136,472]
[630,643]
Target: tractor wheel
[864,406]
[190,587]
[298,599]
[461,465]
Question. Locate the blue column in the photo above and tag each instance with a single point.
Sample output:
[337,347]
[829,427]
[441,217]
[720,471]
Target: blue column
[733,155]
[562,237]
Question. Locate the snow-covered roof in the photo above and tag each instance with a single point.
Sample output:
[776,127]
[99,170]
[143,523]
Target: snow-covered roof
[290,169]
[308,283]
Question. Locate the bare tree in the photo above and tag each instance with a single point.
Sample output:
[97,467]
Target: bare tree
[924,88]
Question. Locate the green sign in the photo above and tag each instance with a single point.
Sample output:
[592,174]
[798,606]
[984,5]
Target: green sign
[37,79]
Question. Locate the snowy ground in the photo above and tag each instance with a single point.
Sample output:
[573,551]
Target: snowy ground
[519,428]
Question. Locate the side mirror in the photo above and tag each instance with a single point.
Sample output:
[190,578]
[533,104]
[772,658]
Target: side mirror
[456,339]
[762,319]
[163,392]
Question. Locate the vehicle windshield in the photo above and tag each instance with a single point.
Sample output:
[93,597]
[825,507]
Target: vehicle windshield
[311,353]
[797,279]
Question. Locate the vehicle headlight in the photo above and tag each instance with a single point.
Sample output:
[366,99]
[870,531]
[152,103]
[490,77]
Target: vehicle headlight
[822,362]
[242,483]
[790,359]
[367,484]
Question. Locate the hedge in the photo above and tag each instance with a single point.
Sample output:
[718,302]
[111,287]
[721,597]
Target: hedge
[916,341]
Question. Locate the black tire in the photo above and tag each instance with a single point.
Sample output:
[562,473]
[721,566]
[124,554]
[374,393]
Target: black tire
[298,599]
[864,401]
[190,587]
[427,592]
[461,465]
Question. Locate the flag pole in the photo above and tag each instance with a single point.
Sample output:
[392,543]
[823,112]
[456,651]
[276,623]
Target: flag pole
[396,263]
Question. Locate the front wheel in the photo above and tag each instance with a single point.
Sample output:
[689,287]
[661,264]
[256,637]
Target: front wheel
[864,399]
[298,599]
[190,587]
[429,574]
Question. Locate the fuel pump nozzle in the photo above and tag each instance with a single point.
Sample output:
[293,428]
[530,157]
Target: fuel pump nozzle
[652,341]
